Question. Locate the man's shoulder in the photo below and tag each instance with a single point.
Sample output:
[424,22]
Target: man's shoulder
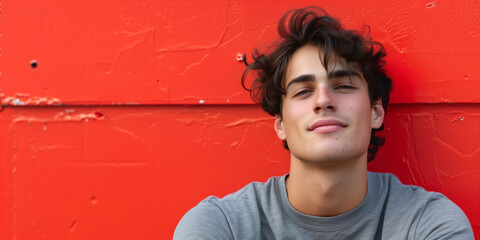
[391,184]
[410,196]
[253,193]
[242,209]
[431,215]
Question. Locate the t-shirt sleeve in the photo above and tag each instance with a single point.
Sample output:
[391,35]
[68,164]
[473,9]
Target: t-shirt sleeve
[205,221]
[442,219]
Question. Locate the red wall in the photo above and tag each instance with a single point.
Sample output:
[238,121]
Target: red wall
[134,112]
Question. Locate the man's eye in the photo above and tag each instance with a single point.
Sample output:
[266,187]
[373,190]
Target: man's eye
[302,92]
[343,86]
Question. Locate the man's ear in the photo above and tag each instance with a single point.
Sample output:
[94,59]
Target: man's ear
[279,128]
[378,113]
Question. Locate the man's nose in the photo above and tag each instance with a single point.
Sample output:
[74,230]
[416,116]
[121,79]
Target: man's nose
[323,99]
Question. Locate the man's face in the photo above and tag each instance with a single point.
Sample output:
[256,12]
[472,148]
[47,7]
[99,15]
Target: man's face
[327,115]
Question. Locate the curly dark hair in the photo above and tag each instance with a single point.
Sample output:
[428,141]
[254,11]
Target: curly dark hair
[313,25]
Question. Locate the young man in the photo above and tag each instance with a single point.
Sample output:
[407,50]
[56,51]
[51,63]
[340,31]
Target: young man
[328,92]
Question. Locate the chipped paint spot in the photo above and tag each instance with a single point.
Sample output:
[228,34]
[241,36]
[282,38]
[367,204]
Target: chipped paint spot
[69,117]
[431,5]
[98,114]
[239,57]
[201,101]
[17,102]
[21,99]
[34,63]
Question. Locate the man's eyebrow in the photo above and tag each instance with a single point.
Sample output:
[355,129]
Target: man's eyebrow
[342,73]
[301,78]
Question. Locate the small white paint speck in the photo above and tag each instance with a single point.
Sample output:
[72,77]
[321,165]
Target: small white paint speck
[228,100]
[201,101]
[18,102]
[239,57]
[461,119]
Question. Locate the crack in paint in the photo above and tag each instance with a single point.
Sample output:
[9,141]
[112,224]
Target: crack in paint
[191,65]
[135,136]
[247,121]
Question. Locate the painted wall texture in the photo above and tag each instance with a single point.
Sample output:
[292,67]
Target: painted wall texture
[117,117]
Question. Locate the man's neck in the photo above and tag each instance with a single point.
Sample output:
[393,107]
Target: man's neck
[327,191]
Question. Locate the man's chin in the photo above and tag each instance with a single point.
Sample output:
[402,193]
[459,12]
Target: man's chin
[330,156]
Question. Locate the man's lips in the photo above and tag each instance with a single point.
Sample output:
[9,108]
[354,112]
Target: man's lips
[327,125]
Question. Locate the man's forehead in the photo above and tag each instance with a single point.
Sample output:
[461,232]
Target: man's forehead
[334,62]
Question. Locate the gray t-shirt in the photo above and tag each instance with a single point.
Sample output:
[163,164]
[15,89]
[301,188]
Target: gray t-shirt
[390,210]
